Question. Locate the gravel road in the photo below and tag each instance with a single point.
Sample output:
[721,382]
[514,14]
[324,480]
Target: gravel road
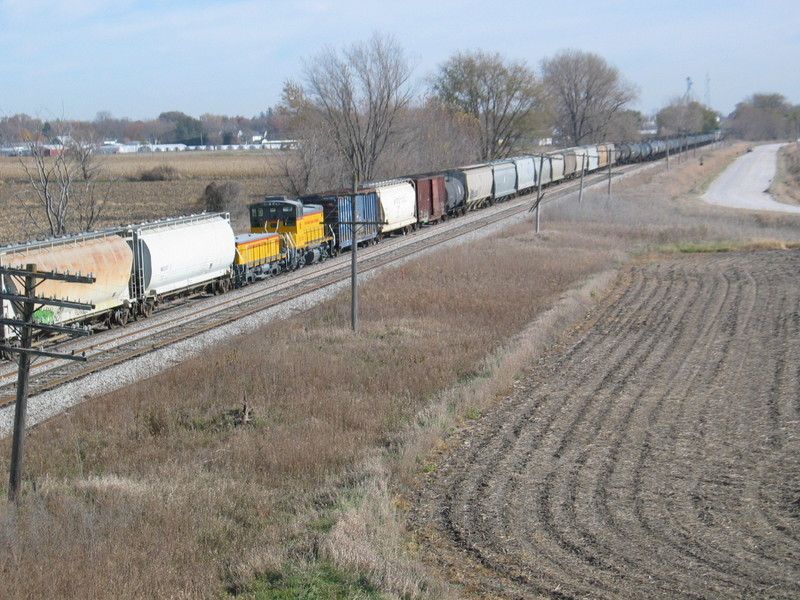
[744,183]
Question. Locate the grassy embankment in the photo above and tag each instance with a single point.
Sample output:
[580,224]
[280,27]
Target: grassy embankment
[786,184]
[158,491]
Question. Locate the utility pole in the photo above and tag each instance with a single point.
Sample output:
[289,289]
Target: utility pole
[353,224]
[683,128]
[354,261]
[583,171]
[538,202]
[26,305]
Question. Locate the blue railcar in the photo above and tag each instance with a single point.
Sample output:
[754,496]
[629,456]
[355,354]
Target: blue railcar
[337,207]
[624,152]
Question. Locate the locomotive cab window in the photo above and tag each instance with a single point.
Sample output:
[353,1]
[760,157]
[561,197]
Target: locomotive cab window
[286,213]
[256,216]
[265,213]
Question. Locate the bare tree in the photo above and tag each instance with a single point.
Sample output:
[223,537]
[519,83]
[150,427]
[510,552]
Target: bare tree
[503,98]
[358,95]
[435,138]
[586,93]
[18,127]
[63,178]
[105,126]
[316,162]
[625,126]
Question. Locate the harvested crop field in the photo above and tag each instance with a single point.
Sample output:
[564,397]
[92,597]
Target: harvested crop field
[131,188]
[654,454]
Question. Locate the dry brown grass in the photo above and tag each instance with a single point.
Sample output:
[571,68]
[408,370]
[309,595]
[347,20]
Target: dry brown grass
[157,491]
[786,184]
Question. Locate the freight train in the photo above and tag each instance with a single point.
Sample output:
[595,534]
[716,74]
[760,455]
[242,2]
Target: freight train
[138,267]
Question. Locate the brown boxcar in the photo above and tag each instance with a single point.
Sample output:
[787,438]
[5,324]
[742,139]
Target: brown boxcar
[431,198]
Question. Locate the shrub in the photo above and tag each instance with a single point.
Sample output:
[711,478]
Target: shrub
[220,196]
[161,173]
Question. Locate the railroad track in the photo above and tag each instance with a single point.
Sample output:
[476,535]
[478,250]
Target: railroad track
[193,317]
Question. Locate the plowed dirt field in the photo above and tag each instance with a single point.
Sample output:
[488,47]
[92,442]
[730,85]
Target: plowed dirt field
[655,454]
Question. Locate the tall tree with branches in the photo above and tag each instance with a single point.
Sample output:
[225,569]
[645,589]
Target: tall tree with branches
[358,94]
[504,99]
[586,93]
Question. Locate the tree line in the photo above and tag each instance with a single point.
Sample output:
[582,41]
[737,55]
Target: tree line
[576,98]
[357,118]
[169,127]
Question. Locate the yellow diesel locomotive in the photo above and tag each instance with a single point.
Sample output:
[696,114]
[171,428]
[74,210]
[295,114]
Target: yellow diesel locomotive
[285,234]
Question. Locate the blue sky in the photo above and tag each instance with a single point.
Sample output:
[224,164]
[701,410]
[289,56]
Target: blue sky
[137,58]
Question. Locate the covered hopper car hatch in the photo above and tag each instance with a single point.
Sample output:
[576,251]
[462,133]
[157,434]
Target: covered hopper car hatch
[305,236]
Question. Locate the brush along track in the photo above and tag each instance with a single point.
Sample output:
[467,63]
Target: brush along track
[655,454]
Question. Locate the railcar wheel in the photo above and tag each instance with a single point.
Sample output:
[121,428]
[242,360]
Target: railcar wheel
[4,355]
[146,309]
[121,316]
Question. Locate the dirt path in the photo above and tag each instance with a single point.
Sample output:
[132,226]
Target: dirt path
[655,455]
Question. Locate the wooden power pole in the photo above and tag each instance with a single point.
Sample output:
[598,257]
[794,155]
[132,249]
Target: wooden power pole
[26,305]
